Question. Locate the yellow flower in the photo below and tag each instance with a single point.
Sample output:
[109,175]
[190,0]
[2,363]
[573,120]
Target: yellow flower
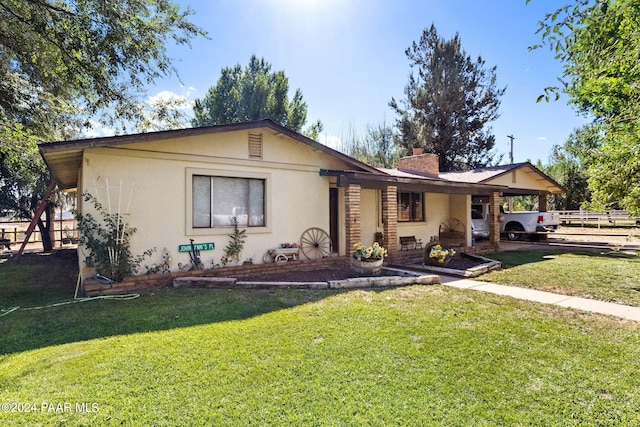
[441,254]
[374,251]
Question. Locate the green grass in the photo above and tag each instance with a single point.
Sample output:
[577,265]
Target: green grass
[418,355]
[37,279]
[607,277]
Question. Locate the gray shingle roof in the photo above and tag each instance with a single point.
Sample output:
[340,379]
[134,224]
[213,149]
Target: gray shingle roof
[402,174]
[479,175]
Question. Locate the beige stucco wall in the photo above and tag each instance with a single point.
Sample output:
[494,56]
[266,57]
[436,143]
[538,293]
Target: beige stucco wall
[371,213]
[439,208]
[436,211]
[524,178]
[156,176]
[460,209]
[149,183]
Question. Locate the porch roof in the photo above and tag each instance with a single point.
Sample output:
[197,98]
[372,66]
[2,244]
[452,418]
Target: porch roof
[497,175]
[409,182]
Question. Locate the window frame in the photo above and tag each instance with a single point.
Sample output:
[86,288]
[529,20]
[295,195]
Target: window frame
[412,210]
[213,230]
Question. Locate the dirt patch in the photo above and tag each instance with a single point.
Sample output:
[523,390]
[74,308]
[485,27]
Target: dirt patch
[629,235]
[458,262]
[463,262]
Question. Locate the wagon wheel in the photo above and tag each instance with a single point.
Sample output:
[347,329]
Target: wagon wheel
[452,225]
[452,232]
[315,243]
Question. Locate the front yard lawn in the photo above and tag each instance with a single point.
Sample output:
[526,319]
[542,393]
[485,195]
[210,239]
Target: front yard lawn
[610,277]
[417,355]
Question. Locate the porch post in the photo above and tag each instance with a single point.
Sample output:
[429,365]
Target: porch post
[390,218]
[494,218]
[352,216]
[543,202]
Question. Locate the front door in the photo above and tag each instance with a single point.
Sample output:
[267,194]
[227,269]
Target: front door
[333,218]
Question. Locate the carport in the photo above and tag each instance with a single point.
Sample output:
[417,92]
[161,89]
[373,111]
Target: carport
[518,179]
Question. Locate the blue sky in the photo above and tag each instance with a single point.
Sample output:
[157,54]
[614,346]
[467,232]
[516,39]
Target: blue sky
[347,57]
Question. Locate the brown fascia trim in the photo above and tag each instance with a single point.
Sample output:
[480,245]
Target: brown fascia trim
[110,141]
[83,144]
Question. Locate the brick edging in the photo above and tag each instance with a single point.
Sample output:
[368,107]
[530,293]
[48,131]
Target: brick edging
[150,282]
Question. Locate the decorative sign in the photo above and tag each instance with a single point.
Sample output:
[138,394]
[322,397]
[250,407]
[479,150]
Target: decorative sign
[198,246]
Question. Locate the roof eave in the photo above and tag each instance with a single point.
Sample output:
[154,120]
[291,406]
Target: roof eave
[560,188]
[61,155]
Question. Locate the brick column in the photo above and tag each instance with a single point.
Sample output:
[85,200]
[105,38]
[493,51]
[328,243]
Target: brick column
[543,202]
[352,216]
[390,218]
[494,218]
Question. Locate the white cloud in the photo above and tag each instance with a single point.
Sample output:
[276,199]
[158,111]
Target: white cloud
[178,102]
[97,130]
[162,101]
[541,138]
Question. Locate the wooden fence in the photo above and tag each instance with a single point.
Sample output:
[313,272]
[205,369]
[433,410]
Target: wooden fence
[584,217]
[64,231]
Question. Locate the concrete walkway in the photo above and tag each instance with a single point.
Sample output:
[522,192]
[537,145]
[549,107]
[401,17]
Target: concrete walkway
[584,304]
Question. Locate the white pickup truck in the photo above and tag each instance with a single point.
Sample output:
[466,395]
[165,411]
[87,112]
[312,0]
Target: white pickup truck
[515,225]
[518,225]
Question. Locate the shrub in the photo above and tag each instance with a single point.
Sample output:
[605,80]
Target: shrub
[108,240]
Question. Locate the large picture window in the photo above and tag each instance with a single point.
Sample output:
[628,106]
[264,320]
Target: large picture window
[217,199]
[410,207]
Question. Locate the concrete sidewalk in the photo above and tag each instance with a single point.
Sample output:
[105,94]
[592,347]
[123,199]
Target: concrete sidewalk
[595,306]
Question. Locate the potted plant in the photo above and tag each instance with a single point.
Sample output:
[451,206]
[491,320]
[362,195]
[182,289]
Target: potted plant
[368,260]
[437,254]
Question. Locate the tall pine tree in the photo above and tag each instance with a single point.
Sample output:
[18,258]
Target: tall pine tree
[450,100]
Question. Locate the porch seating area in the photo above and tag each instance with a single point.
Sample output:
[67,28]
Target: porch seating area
[410,242]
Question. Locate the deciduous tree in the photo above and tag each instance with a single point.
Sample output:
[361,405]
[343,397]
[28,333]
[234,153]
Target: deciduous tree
[566,166]
[376,148]
[598,43]
[450,101]
[253,93]
[64,61]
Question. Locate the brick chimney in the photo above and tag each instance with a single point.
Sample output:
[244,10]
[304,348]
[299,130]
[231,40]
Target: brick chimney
[419,163]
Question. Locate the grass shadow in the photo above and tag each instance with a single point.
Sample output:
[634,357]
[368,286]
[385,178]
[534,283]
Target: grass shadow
[516,258]
[38,282]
